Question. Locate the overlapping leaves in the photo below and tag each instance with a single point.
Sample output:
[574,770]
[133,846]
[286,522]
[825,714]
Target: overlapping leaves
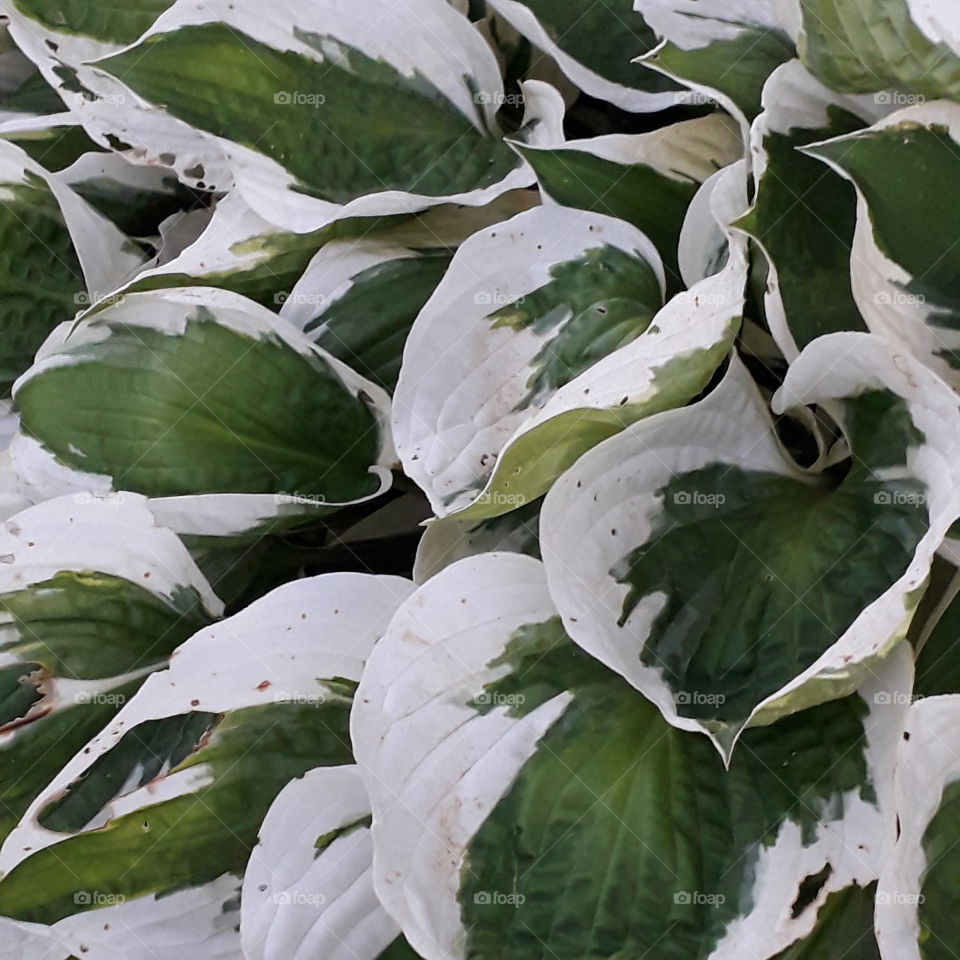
[675,391]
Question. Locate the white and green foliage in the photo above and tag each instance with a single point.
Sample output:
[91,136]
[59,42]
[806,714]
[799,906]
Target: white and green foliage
[479,480]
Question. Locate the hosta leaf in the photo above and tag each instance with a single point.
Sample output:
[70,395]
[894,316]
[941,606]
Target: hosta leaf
[905,259]
[917,916]
[722,49]
[104,20]
[446,541]
[690,556]
[938,659]
[844,929]
[595,47]
[271,685]
[240,251]
[55,142]
[15,69]
[703,245]
[56,249]
[544,338]
[94,596]
[359,296]
[803,220]
[64,40]
[518,786]
[358,300]
[308,889]
[187,923]
[864,46]
[136,198]
[200,393]
[647,179]
[251,81]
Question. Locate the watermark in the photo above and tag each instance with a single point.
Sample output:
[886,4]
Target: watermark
[300,699]
[495,298]
[696,898]
[898,298]
[84,298]
[899,498]
[298,898]
[94,898]
[498,499]
[500,99]
[297,98]
[106,499]
[697,498]
[81,99]
[494,699]
[301,299]
[495,898]
[894,896]
[100,699]
[301,499]
[897,98]
[694,299]
[888,698]
[696,698]
[694,98]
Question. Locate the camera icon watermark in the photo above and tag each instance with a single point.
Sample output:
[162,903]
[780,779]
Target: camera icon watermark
[100,699]
[885,897]
[696,898]
[498,99]
[298,898]
[493,698]
[495,898]
[300,299]
[90,298]
[897,98]
[496,298]
[899,498]
[697,498]
[298,499]
[94,898]
[297,98]
[696,698]
[899,298]
[891,698]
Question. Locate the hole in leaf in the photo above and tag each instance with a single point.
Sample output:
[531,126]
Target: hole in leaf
[809,888]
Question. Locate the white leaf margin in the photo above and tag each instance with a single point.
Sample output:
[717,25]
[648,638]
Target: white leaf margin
[928,762]
[632,99]
[442,361]
[278,650]
[702,318]
[231,225]
[732,425]
[42,476]
[689,150]
[792,99]
[694,24]
[879,282]
[152,132]
[426,37]
[331,274]
[106,255]
[198,921]
[115,535]
[410,715]
[297,904]
[436,768]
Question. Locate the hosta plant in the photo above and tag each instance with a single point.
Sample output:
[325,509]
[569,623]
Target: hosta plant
[479,480]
